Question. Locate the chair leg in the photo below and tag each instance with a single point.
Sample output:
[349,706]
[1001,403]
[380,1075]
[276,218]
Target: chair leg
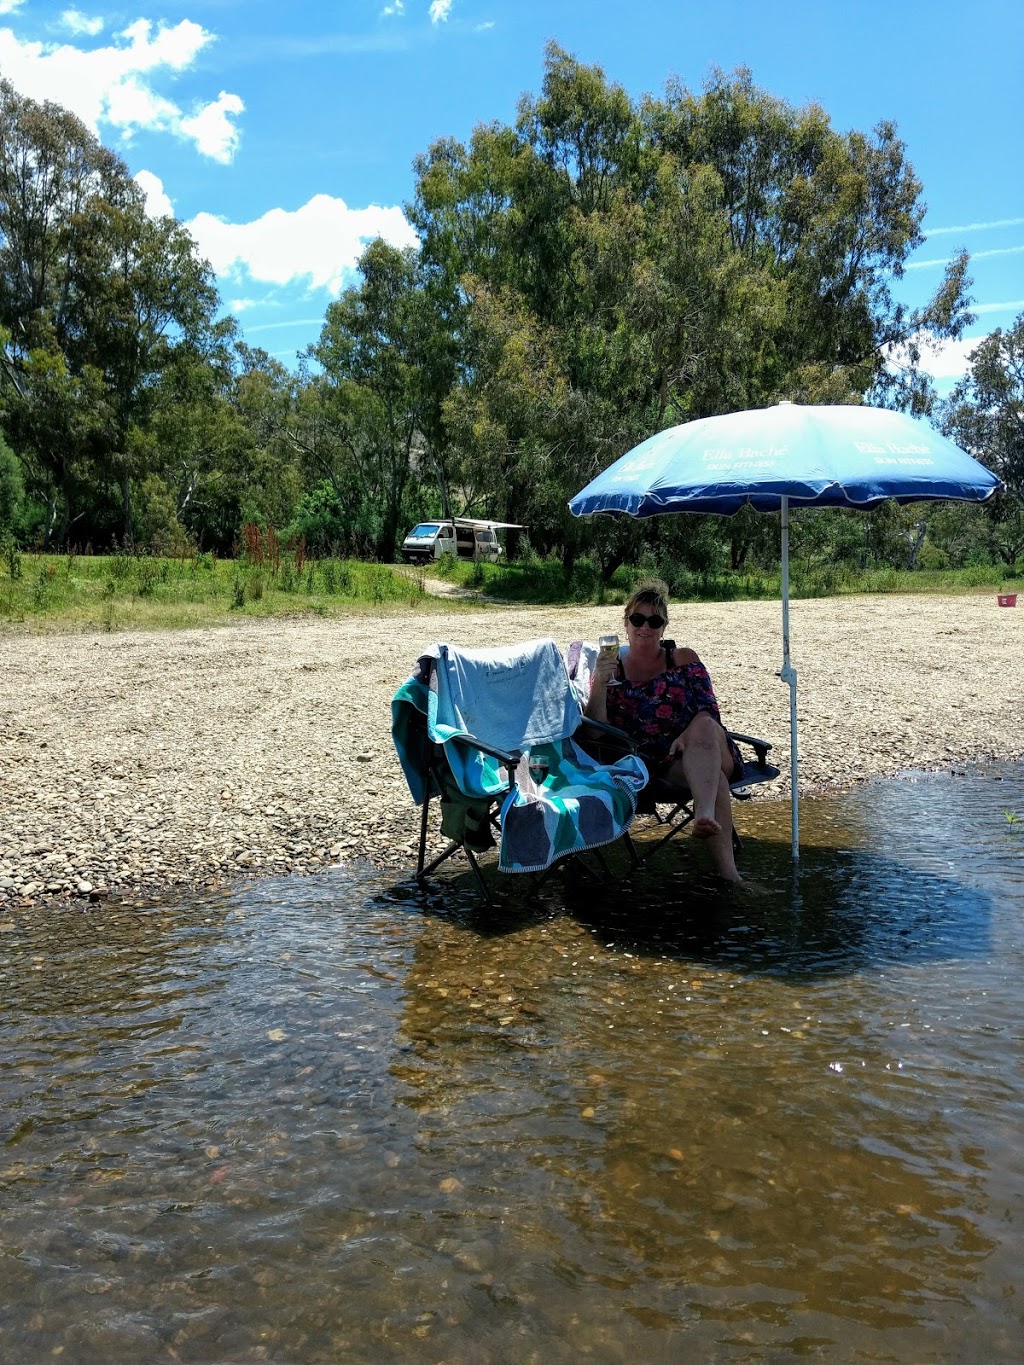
[453,847]
[634,857]
[423,835]
[673,831]
[485,890]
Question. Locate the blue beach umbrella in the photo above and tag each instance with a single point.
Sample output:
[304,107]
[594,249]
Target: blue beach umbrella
[772,458]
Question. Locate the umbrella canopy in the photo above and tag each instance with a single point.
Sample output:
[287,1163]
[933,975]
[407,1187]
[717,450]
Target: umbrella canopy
[839,456]
[770,458]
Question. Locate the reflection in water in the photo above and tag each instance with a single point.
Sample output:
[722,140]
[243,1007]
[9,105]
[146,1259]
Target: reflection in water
[339,1120]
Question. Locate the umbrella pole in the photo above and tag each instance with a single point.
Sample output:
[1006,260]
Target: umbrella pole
[788,675]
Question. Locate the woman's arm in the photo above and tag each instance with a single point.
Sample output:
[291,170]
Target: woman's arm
[597,703]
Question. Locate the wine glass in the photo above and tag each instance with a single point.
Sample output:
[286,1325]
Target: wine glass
[609,645]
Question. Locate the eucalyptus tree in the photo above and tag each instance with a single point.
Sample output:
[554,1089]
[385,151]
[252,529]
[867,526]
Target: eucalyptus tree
[12,489]
[675,258]
[984,413]
[146,303]
[95,298]
[368,413]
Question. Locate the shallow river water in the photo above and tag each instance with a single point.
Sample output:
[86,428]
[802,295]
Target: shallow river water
[337,1119]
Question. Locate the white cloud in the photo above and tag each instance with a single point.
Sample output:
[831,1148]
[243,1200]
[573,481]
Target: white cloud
[215,135]
[158,204]
[116,84]
[940,359]
[77,22]
[319,242]
[1010,306]
[9,6]
[282,326]
[975,227]
[440,10]
[975,256]
[397,8]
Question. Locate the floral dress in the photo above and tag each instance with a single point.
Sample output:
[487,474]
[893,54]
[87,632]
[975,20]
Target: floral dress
[653,713]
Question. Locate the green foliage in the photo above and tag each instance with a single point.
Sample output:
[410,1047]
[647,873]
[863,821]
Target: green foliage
[11,556]
[592,273]
[321,520]
[12,489]
[985,414]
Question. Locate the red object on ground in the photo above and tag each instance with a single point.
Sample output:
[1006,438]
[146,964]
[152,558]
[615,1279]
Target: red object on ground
[1007,599]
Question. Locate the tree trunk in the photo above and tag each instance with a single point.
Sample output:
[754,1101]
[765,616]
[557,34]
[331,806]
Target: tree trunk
[128,521]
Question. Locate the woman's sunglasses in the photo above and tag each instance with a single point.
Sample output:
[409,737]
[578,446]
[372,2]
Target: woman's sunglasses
[636,618]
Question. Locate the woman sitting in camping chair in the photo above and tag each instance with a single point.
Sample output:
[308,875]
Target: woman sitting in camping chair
[662,698]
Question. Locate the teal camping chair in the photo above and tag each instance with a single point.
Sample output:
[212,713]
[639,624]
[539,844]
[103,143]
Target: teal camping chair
[491,734]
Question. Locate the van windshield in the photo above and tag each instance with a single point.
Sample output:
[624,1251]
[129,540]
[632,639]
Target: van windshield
[425,528]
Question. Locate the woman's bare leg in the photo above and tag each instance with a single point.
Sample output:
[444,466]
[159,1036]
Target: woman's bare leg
[706,764]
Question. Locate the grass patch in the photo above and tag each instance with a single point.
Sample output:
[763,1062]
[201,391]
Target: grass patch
[134,592]
[545,582]
[131,592]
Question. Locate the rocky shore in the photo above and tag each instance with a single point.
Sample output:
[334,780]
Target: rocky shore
[138,765]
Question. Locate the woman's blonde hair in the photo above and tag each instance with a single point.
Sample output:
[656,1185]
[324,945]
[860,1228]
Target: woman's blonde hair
[651,593]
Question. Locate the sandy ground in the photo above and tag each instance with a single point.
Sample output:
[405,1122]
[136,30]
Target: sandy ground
[131,764]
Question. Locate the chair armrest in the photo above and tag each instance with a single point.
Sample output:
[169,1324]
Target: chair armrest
[508,760]
[761,747]
[602,741]
[611,732]
[501,755]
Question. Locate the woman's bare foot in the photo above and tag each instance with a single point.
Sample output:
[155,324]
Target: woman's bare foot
[705,827]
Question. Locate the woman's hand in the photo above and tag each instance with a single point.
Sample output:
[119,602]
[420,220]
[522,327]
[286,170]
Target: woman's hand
[604,669]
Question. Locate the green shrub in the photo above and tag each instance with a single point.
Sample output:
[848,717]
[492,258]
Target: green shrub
[43,588]
[12,489]
[149,575]
[120,566]
[584,581]
[931,557]
[11,556]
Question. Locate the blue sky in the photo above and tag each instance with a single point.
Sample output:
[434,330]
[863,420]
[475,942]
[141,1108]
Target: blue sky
[284,134]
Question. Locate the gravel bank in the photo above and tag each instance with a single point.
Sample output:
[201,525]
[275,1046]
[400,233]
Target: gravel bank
[132,764]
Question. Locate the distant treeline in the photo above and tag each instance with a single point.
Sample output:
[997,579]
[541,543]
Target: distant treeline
[601,269]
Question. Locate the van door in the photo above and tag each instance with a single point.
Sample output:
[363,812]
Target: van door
[445,542]
[465,542]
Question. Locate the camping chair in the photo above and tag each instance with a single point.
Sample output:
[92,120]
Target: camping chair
[670,803]
[489,733]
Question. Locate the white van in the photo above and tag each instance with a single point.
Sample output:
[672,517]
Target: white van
[462,537]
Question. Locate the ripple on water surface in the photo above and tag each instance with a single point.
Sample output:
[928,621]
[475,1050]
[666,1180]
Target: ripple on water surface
[339,1119]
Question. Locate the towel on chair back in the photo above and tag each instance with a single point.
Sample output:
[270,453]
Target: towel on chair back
[512,697]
